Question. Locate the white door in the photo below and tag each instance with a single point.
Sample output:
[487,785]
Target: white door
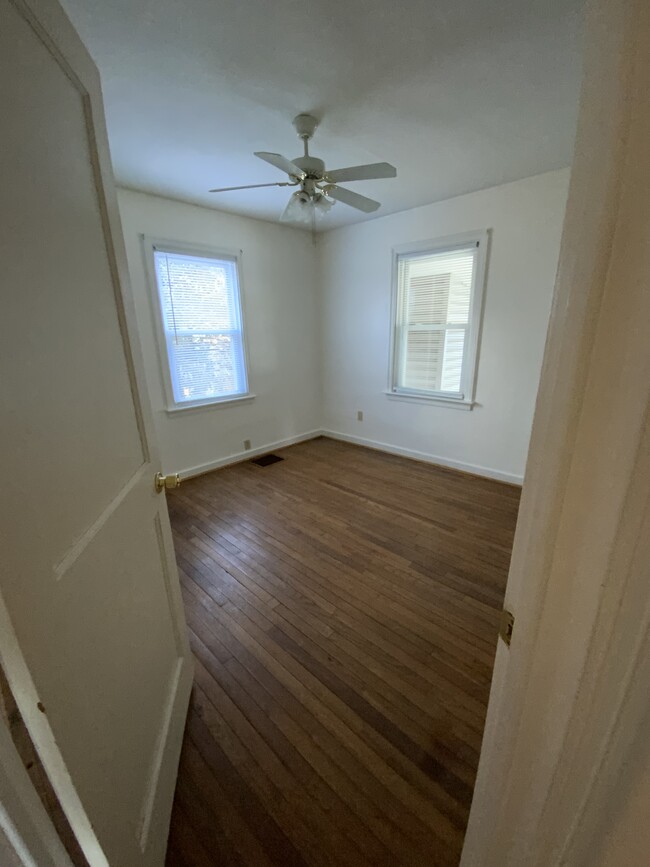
[92,635]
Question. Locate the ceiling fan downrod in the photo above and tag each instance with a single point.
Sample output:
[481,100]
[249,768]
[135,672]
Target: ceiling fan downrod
[313,168]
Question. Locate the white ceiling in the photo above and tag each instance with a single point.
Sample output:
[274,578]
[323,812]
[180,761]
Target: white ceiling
[458,94]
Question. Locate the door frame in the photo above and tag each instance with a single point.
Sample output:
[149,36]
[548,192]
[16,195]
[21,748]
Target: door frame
[24,822]
[568,696]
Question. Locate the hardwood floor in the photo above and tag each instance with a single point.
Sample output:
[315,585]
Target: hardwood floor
[343,607]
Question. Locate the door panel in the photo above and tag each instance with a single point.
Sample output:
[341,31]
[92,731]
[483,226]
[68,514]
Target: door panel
[95,646]
[62,297]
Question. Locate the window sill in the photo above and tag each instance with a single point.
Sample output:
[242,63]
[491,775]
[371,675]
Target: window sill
[213,404]
[449,402]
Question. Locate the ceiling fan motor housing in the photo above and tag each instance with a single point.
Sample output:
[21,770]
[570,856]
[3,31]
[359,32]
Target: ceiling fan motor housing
[311,166]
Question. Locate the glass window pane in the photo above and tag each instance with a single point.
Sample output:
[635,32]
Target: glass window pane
[201,314]
[433,313]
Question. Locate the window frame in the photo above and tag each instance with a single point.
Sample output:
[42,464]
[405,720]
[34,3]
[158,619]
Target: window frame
[465,400]
[151,245]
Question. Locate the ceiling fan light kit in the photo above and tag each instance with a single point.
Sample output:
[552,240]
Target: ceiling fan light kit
[319,188]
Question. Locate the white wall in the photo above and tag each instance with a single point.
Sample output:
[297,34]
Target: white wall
[525,219]
[281,321]
[318,324]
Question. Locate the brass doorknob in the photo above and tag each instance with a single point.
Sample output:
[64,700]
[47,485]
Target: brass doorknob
[166,482]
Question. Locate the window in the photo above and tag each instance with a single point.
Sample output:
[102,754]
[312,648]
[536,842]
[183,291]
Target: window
[200,326]
[437,304]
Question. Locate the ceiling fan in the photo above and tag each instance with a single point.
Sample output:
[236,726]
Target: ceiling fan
[318,187]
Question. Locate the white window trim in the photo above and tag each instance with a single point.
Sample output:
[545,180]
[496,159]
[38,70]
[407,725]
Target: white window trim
[426,397]
[150,244]
[210,403]
[470,362]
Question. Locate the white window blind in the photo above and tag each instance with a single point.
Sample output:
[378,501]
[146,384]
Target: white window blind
[433,321]
[202,323]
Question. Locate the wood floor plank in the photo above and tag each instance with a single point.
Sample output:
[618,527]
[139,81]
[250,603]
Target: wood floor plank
[296,557]
[343,607]
[186,847]
[253,706]
[382,812]
[379,699]
[278,846]
[399,777]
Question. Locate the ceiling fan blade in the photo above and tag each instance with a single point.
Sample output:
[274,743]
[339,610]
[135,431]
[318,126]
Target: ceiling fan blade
[361,203]
[281,163]
[363,173]
[251,187]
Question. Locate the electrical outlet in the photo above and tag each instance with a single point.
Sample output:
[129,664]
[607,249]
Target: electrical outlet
[247,444]
[359,415]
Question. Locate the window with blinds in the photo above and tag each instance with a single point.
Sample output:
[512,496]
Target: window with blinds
[434,331]
[201,319]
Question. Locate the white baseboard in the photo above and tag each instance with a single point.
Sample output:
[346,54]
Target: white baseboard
[474,469]
[246,455]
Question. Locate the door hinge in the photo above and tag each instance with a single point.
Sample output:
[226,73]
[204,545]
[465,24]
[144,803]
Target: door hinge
[506,626]
[166,482]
